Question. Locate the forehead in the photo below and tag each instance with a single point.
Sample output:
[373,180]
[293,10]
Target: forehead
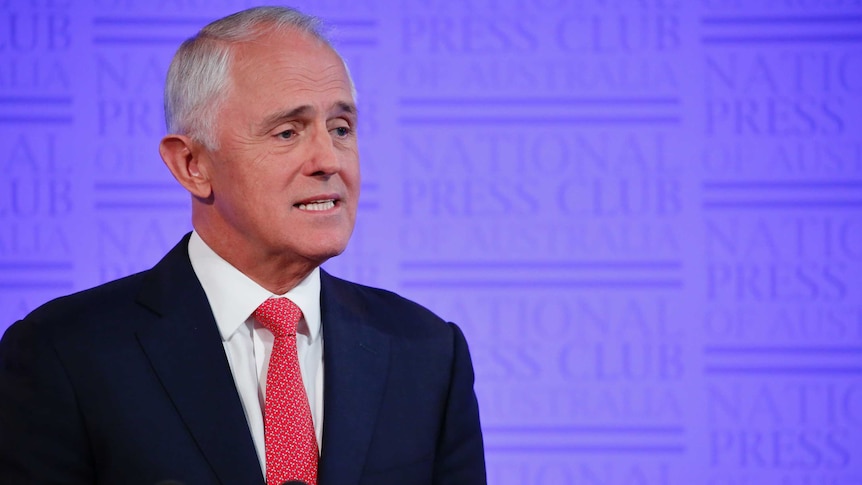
[287,61]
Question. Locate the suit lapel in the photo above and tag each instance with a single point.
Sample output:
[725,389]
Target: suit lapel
[186,352]
[356,358]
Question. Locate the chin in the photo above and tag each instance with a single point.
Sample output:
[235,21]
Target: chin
[324,251]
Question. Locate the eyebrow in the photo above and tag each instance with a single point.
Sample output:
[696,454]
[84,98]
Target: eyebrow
[276,118]
[345,107]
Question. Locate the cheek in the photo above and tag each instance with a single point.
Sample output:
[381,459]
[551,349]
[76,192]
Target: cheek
[254,197]
[262,180]
[352,172]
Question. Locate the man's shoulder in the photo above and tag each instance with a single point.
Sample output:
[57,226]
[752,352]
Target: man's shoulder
[384,309]
[111,305]
[88,309]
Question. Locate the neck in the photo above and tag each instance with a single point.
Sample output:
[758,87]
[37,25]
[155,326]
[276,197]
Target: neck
[277,273]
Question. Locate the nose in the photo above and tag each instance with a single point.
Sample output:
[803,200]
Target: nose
[323,159]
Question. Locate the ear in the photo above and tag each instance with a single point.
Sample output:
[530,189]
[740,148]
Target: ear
[188,162]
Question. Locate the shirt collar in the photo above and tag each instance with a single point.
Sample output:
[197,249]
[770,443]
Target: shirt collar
[233,296]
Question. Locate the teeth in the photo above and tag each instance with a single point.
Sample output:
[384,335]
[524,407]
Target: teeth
[321,205]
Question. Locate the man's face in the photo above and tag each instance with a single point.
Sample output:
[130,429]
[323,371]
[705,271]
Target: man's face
[285,178]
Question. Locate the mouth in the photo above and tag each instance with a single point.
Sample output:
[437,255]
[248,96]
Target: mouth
[317,205]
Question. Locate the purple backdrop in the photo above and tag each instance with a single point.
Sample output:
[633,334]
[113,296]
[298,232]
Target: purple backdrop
[645,214]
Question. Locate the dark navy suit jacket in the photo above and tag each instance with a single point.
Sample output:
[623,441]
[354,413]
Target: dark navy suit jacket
[128,383]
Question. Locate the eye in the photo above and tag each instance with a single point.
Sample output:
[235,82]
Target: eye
[341,131]
[287,134]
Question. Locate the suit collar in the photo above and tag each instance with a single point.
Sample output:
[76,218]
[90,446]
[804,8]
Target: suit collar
[356,358]
[185,350]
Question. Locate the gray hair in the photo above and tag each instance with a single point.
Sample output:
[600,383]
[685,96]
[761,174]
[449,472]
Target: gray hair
[199,75]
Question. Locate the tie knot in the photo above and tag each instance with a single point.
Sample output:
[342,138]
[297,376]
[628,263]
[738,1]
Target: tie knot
[279,315]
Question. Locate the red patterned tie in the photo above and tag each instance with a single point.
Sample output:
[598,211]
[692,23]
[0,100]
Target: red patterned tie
[291,445]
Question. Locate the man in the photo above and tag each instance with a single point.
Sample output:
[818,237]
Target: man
[182,373]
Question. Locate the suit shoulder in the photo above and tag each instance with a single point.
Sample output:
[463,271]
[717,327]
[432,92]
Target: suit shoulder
[93,306]
[388,310]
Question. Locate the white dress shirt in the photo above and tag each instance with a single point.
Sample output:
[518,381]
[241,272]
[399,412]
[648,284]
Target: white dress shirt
[233,298]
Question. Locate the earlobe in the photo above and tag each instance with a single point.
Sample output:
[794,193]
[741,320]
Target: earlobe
[183,157]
